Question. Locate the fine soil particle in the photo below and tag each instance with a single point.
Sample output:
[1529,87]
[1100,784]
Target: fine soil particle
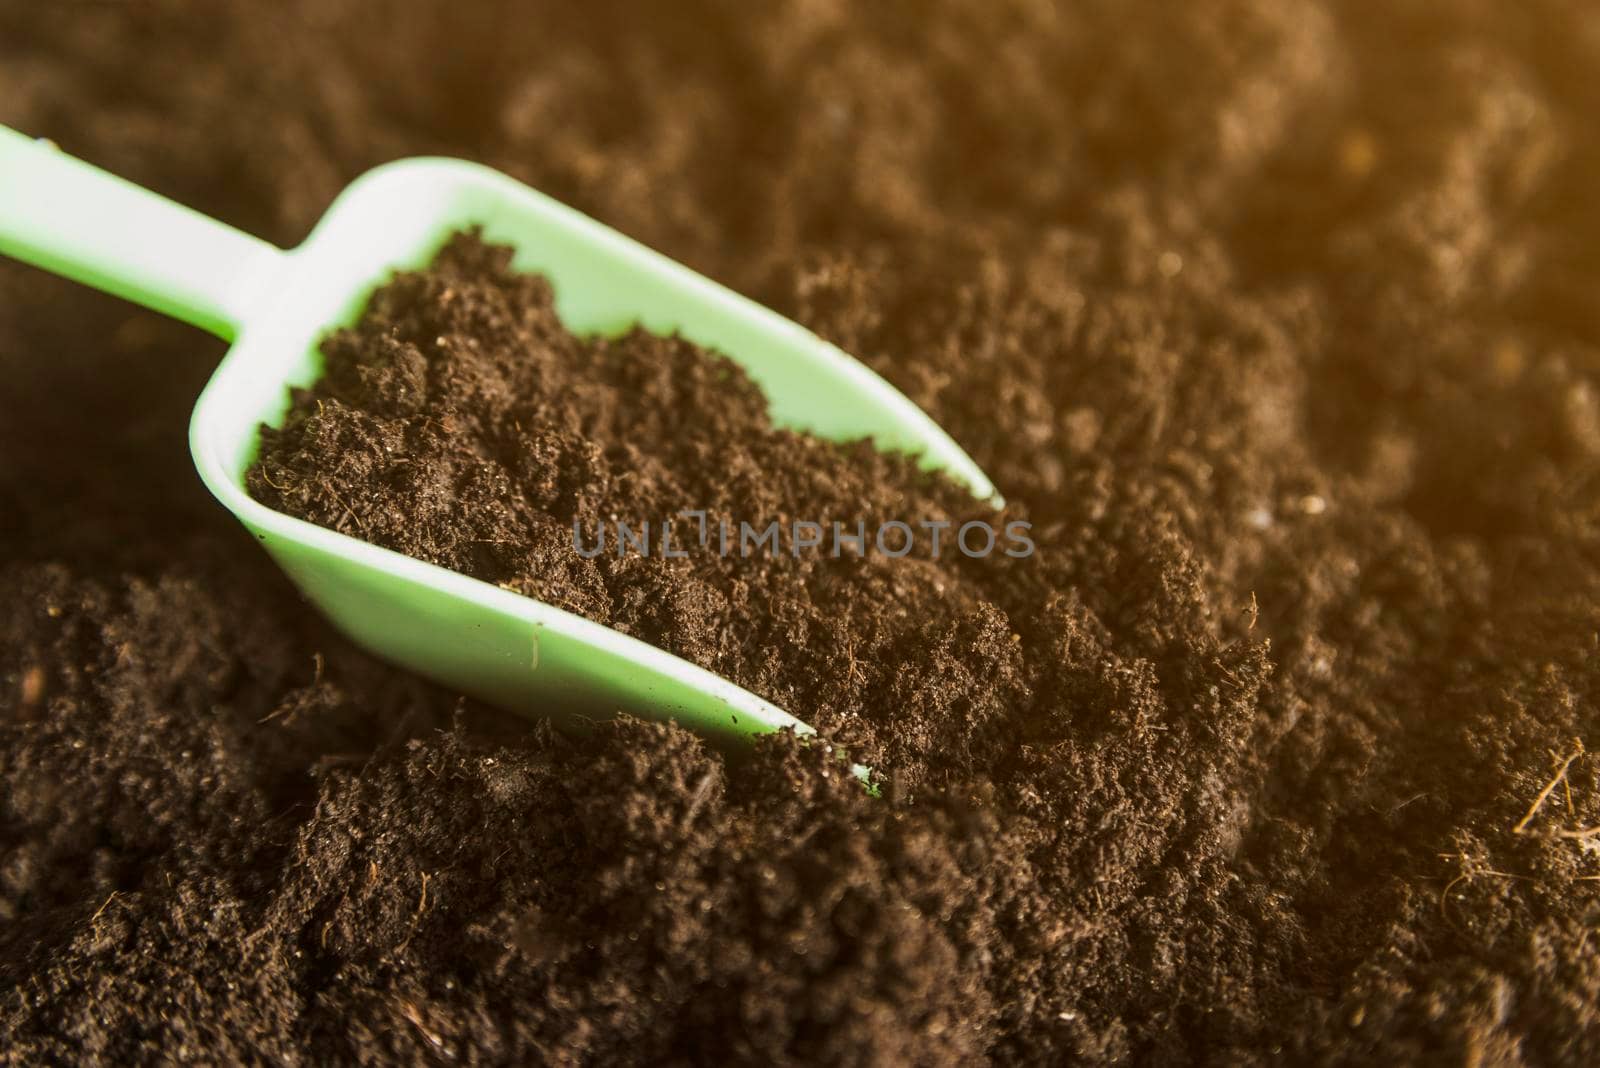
[1275,318]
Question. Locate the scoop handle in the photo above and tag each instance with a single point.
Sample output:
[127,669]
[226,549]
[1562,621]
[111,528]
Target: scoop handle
[74,219]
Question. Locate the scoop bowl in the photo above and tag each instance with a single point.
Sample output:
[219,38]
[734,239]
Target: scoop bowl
[275,306]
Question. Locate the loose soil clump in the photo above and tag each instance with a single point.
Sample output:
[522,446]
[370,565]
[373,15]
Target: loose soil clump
[461,423]
[1287,351]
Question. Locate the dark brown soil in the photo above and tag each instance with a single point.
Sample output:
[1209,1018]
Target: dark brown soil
[461,423]
[1276,318]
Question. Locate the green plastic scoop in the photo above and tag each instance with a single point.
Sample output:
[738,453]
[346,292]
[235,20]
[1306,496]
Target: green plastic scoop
[275,306]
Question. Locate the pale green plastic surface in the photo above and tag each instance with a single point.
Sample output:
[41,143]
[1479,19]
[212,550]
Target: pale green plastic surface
[71,218]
